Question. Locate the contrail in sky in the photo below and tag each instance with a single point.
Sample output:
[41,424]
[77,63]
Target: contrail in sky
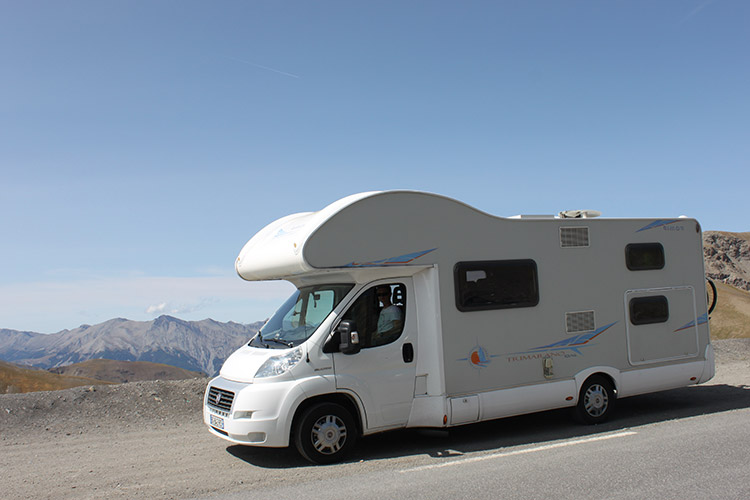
[696,10]
[261,66]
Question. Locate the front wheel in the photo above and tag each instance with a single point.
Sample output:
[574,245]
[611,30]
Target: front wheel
[325,433]
[596,401]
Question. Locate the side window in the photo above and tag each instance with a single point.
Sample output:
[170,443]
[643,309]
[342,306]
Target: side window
[379,314]
[644,256]
[499,284]
[648,310]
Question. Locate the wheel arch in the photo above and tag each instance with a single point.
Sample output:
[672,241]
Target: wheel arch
[607,372]
[343,399]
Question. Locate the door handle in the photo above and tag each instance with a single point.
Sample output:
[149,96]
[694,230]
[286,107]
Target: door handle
[408,352]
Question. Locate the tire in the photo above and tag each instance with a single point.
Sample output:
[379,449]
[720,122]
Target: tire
[596,401]
[325,433]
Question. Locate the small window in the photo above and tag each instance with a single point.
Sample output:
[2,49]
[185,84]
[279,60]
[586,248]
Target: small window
[648,310]
[644,256]
[500,284]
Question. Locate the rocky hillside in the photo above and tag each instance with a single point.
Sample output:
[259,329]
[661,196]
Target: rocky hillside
[727,261]
[727,257]
[193,345]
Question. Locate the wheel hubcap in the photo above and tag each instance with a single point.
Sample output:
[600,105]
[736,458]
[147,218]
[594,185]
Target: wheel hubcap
[596,400]
[328,434]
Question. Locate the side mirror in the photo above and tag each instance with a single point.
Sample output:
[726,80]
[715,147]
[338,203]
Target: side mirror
[349,336]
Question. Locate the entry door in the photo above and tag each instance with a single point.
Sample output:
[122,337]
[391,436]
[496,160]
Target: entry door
[662,324]
[382,373]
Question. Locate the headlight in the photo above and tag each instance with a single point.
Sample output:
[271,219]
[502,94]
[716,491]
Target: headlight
[278,365]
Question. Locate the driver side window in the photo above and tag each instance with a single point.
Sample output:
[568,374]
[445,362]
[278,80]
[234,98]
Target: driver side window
[379,314]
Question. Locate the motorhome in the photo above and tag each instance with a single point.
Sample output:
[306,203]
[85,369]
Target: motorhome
[416,310]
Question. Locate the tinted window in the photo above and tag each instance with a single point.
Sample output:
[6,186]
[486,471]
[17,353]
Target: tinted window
[499,284]
[647,310]
[644,256]
[379,314]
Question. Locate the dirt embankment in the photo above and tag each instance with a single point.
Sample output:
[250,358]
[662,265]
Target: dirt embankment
[107,408]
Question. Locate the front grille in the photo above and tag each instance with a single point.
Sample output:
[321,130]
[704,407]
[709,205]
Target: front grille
[220,399]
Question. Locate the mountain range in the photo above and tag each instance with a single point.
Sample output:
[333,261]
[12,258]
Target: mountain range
[193,345]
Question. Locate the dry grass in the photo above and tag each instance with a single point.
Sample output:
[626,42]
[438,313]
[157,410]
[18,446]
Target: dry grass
[731,318]
[125,371]
[14,379]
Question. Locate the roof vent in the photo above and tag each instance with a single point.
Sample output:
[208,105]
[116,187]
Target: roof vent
[576,322]
[574,237]
[579,214]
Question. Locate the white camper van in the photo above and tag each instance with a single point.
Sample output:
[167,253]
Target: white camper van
[416,310]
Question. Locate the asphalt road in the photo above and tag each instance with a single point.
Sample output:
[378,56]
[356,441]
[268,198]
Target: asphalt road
[661,446]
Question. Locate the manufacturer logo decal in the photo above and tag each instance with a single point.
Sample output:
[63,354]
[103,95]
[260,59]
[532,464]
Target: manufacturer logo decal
[289,228]
[478,357]
[665,224]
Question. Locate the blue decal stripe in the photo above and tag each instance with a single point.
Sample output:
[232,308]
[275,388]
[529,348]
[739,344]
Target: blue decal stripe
[576,341]
[658,223]
[391,261]
[570,344]
[702,320]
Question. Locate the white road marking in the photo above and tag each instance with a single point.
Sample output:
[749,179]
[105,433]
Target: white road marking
[523,451]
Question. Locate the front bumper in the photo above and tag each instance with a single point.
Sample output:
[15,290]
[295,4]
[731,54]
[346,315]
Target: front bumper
[259,415]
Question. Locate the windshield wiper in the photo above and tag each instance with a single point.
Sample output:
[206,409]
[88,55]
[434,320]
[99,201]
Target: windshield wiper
[260,341]
[288,344]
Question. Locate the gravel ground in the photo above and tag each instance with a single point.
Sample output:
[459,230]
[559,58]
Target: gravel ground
[732,362]
[102,408]
[147,440]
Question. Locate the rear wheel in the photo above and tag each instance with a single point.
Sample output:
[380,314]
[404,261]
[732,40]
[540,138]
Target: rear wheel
[596,401]
[325,433]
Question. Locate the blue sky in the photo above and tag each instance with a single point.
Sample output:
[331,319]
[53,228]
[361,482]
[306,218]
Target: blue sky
[143,143]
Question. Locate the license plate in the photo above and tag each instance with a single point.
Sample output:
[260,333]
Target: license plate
[217,422]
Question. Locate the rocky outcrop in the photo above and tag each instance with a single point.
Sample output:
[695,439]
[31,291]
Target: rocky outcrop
[727,258]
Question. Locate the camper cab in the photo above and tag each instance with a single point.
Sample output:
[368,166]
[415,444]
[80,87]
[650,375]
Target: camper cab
[416,310]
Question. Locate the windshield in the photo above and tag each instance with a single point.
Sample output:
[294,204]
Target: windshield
[300,316]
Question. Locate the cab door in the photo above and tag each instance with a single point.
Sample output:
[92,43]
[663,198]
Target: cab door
[382,373]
